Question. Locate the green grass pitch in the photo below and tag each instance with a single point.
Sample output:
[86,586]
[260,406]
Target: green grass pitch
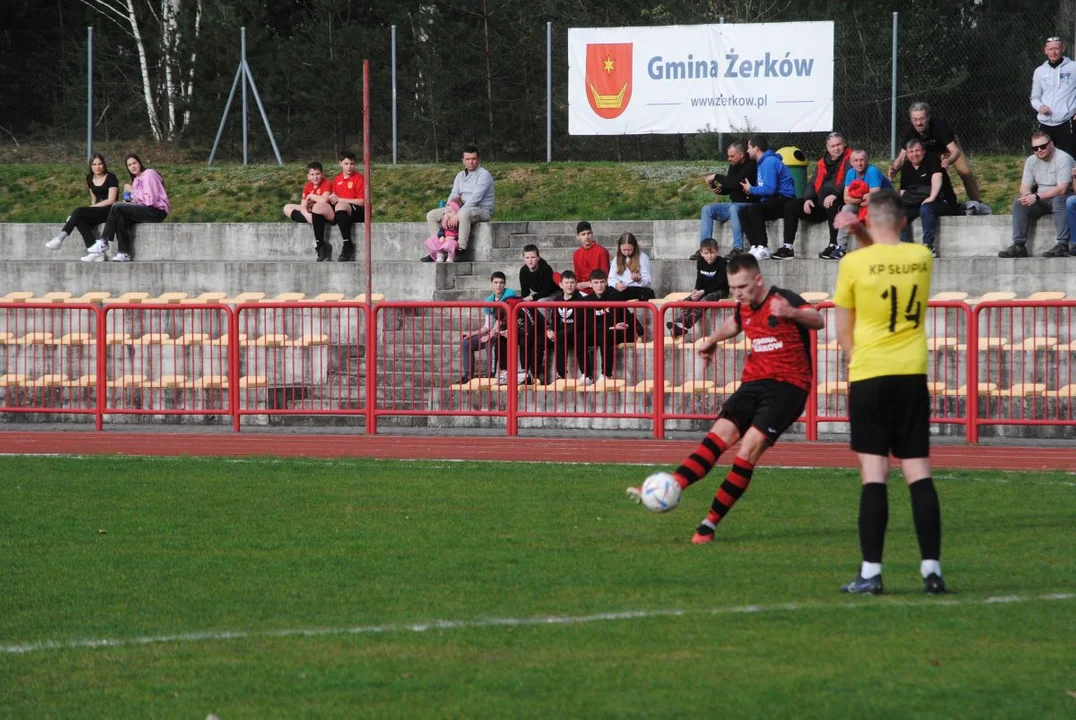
[560,597]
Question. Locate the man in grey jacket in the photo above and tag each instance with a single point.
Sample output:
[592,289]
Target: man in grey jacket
[475,185]
[1053,94]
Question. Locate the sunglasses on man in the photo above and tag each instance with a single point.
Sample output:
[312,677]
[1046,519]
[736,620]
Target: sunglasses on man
[1037,148]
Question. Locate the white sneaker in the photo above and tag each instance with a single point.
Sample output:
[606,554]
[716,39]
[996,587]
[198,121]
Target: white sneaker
[98,248]
[440,257]
[94,257]
[502,378]
[761,252]
[601,377]
[449,258]
[56,243]
[524,378]
[121,257]
[584,380]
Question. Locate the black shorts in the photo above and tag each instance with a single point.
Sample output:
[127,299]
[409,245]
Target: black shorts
[890,413]
[358,214]
[769,405]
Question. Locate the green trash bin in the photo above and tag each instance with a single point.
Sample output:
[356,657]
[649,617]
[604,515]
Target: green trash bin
[796,162]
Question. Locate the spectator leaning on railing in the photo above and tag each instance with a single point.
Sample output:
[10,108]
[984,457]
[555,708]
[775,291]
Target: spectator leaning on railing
[1053,94]
[1044,189]
[938,139]
[475,185]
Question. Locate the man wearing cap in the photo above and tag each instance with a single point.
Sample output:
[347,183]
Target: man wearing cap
[1053,94]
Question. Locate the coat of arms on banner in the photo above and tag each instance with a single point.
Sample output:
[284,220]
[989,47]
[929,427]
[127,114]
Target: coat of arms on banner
[609,78]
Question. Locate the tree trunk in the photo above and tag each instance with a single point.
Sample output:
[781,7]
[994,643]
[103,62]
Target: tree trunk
[147,85]
[489,72]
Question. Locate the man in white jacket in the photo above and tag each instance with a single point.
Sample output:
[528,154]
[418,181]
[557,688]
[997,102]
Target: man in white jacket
[1053,94]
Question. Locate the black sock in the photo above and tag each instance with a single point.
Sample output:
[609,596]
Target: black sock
[873,517]
[926,511]
[319,228]
[343,221]
[297,216]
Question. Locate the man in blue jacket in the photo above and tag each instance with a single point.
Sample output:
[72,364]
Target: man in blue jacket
[769,194]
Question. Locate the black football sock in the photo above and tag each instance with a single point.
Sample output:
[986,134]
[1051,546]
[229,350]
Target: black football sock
[297,216]
[873,518]
[926,511]
[734,486]
[319,228]
[343,221]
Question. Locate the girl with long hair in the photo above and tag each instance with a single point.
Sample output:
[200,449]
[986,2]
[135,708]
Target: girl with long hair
[147,203]
[630,274]
[104,190]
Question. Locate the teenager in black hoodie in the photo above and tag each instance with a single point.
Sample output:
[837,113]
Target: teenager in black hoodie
[711,285]
[568,329]
[536,277]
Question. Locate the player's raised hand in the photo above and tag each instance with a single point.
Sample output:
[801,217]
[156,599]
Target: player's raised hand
[705,348]
[845,220]
[780,308]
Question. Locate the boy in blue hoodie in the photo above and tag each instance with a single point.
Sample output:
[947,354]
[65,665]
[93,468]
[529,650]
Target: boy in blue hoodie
[770,194]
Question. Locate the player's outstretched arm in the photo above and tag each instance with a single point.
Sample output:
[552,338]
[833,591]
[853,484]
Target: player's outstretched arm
[804,315]
[846,321]
[730,328]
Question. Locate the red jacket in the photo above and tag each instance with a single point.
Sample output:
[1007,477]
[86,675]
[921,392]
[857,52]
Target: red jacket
[842,168]
[587,260]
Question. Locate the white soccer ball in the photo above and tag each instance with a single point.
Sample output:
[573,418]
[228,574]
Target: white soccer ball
[660,492]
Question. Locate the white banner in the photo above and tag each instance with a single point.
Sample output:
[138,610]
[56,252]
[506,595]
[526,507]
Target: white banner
[775,77]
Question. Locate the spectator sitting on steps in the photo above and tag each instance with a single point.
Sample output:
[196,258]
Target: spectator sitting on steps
[349,203]
[315,208]
[104,189]
[771,191]
[630,274]
[856,197]
[741,167]
[475,185]
[589,257]
[711,285]
[443,245]
[145,201]
[925,193]
[825,193]
[1044,189]
[536,281]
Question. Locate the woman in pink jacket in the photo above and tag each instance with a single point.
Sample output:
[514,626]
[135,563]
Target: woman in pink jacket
[145,201]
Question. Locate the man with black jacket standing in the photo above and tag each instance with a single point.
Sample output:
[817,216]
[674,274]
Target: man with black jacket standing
[741,167]
[825,194]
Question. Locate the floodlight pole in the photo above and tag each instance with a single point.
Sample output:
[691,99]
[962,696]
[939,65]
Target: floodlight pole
[89,93]
[893,95]
[243,71]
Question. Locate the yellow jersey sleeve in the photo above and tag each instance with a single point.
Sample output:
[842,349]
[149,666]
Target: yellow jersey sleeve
[888,287]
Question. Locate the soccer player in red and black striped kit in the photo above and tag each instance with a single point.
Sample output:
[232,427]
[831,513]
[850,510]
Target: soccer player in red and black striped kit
[777,376]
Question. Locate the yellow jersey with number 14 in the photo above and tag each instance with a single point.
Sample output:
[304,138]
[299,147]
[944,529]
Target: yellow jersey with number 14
[888,286]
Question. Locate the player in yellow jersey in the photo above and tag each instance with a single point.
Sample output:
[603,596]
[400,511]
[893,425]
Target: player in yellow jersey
[881,298]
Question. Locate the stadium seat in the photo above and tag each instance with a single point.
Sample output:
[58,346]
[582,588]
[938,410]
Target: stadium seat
[833,387]
[19,296]
[375,298]
[285,297]
[737,343]
[83,381]
[13,380]
[694,386]
[129,381]
[666,342]
[118,339]
[940,389]
[211,382]
[225,340]
[172,382]
[647,386]
[244,298]
[192,339]
[941,343]
[95,298]
[985,388]
[1036,343]
[950,296]
[130,298]
[7,338]
[1023,390]
[169,298]
[992,297]
[1047,295]
[830,345]
[252,381]
[1066,392]
[815,296]
[206,298]
[602,386]
[154,339]
[58,297]
[271,340]
[731,387]
[77,338]
[50,380]
[308,341]
[671,298]
[35,338]
[328,297]
[986,343]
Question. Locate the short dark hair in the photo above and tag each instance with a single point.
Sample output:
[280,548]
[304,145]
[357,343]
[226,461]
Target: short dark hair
[747,261]
[470,149]
[497,275]
[709,244]
[531,248]
[315,166]
[912,143]
[760,142]
[739,145]
[567,275]
[599,274]
[583,225]
[885,208]
[347,155]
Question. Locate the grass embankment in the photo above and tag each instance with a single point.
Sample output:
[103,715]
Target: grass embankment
[123,548]
[531,191]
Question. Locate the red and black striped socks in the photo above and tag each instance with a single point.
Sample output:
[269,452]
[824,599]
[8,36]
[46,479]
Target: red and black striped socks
[734,486]
[699,463]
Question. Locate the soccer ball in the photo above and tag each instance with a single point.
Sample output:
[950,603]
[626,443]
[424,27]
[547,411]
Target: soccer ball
[660,492]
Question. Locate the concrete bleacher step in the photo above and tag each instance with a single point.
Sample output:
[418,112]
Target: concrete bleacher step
[570,241]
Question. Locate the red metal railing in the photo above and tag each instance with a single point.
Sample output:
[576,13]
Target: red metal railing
[997,364]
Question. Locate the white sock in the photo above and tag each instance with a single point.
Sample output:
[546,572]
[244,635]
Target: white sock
[787,245]
[709,524]
[62,235]
[869,570]
[928,567]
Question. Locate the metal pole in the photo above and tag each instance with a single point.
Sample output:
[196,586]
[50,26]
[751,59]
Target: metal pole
[393,94]
[721,136]
[549,91]
[261,109]
[89,93]
[224,117]
[243,64]
[369,207]
[893,95]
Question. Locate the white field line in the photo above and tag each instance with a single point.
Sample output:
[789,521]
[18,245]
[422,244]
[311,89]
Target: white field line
[211,636]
